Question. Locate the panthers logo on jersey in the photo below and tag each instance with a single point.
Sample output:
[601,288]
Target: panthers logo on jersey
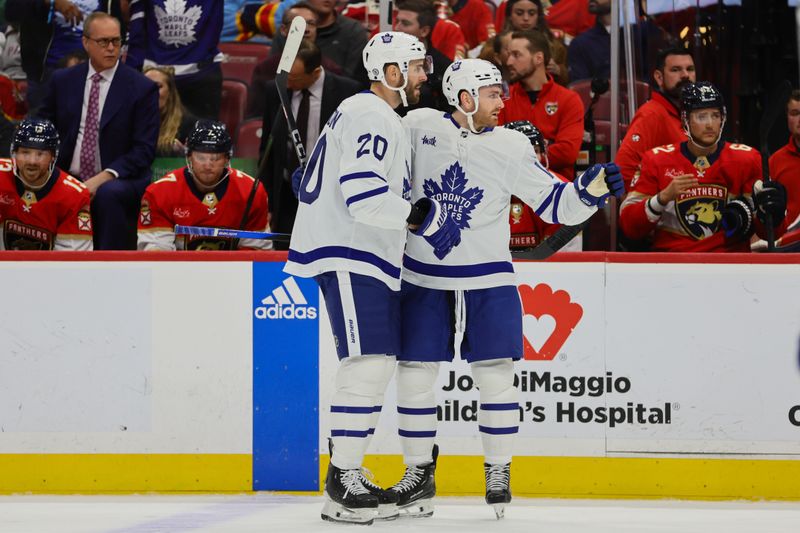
[699,210]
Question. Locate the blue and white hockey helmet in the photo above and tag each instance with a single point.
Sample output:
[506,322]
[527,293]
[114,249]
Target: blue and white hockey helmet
[391,47]
[469,75]
[36,133]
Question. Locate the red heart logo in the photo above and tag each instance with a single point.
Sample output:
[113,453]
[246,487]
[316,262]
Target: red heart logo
[540,302]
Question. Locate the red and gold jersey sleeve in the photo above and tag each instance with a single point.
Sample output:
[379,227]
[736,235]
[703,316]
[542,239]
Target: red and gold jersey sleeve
[156,226]
[448,38]
[74,231]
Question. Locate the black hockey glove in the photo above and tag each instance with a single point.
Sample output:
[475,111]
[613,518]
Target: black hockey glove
[770,199]
[737,217]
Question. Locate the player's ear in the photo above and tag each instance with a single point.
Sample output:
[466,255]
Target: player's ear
[466,101]
[392,74]
[658,76]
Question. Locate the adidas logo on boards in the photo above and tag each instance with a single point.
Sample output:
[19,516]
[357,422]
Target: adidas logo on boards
[286,301]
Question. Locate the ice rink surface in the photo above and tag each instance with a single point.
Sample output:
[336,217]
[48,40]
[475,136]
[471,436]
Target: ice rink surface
[266,512]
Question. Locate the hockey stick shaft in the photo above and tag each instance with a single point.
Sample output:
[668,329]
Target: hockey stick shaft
[230,233]
[293,39]
[552,244]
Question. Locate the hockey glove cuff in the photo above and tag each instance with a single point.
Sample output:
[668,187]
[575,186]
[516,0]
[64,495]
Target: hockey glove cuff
[437,228]
[737,217]
[596,184]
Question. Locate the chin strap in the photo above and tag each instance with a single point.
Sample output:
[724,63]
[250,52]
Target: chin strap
[470,122]
[401,89]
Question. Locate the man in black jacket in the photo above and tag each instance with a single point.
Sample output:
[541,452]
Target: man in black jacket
[48,30]
[315,94]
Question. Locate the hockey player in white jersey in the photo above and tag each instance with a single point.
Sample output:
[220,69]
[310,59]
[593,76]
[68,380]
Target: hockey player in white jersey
[473,168]
[349,234]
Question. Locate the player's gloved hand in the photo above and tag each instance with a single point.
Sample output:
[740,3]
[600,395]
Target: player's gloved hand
[297,177]
[437,228]
[770,199]
[737,217]
[596,184]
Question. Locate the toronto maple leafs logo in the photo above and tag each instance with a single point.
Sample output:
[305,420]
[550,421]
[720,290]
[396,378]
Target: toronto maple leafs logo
[387,38]
[455,66]
[176,23]
[454,195]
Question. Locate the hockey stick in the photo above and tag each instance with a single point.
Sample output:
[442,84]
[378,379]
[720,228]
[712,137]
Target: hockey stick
[553,243]
[230,233]
[288,56]
[777,99]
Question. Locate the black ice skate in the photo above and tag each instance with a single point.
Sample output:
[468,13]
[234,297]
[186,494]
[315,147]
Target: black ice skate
[387,501]
[498,489]
[346,498]
[417,489]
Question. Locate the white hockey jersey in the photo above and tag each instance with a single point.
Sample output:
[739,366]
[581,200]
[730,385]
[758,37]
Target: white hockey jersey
[474,177]
[353,200]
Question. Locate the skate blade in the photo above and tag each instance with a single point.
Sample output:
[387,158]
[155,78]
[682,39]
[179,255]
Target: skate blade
[387,512]
[334,512]
[499,510]
[418,509]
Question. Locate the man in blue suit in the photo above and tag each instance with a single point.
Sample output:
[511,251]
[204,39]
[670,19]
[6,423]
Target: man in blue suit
[107,116]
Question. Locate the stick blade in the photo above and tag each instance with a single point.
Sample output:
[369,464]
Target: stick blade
[295,35]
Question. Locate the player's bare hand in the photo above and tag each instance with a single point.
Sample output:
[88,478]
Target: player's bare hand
[678,185]
[71,12]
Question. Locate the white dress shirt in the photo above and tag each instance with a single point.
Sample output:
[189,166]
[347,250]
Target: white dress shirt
[314,110]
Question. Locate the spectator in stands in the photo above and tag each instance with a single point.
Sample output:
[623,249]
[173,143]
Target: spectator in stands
[43,207]
[176,122]
[315,95]
[254,18]
[183,35]
[49,29]
[341,39]
[266,70]
[784,168]
[589,53]
[73,58]
[107,116]
[534,96]
[657,122]
[695,196]
[529,15]
[475,19]
[418,18]
[206,192]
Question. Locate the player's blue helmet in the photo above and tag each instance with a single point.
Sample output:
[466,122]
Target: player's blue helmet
[35,133]
[209,136]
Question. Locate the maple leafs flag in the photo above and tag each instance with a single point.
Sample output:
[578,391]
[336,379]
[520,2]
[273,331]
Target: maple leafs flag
[454,195]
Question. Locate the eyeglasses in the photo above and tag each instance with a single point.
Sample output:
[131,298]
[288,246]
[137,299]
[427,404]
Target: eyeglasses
[103,43]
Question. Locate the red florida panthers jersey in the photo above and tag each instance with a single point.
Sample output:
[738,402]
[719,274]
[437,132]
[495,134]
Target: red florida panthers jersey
[528,229]
[174,199]
[55,217]
[691,222]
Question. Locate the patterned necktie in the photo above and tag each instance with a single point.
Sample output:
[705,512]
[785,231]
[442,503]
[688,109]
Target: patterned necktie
[90,128]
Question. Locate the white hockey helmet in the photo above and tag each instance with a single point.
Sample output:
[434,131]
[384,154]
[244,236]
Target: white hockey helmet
[392,47]
[469,75]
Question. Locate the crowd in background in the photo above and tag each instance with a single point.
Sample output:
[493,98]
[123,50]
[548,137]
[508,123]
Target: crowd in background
[59,62]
